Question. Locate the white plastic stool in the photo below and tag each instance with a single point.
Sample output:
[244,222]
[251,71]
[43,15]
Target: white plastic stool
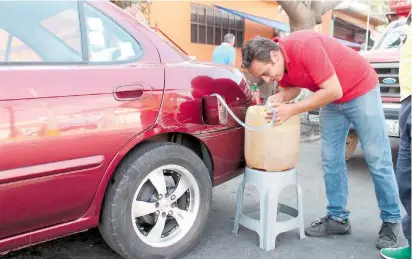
[270,185]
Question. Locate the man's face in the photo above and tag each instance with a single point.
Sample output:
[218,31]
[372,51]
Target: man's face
[269,71]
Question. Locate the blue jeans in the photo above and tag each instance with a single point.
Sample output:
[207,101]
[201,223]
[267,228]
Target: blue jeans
[403,165]
[366,115]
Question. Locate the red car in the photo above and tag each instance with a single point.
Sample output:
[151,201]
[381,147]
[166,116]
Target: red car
[105,124]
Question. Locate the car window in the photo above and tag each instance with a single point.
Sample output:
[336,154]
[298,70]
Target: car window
[14,50]
[392,36]
[107,41]
[40,31]
[66,26]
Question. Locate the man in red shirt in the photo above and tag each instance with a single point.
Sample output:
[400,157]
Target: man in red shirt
[346,89]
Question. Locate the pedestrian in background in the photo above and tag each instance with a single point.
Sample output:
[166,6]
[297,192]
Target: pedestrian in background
[403,165]
[225,53]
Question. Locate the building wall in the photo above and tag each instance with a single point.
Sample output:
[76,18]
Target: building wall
[162,14]
[327,23]
[362,23]
[179,30]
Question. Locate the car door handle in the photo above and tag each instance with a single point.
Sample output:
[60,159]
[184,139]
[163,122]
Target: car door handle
[131,92]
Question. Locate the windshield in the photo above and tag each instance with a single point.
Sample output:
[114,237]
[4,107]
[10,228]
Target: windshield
[392,37]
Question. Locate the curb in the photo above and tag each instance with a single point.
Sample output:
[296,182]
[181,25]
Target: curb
[309,138]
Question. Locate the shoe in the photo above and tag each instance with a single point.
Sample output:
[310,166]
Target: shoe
[388,235]
[327,226]
[396,253]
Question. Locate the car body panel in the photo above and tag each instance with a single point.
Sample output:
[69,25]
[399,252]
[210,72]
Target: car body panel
[206,79]
[64,129]
[61,125]
[381,55]
[42,135]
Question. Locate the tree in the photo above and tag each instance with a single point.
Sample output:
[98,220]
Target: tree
[139,9]
[306,14]
[122,4]
[302,14]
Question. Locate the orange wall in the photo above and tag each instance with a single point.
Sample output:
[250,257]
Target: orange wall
[326,22]
[354,20]
[164,12]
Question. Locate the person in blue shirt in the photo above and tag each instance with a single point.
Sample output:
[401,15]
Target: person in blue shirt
[225,53]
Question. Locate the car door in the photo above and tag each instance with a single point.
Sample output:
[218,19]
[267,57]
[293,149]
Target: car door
[76,84]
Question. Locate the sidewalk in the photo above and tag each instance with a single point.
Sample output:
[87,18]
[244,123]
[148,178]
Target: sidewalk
[219,242]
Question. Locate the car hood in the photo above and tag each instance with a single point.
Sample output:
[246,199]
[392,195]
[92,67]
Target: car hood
[381,55]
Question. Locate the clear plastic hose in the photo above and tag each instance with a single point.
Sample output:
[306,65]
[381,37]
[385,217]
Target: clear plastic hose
[241,122]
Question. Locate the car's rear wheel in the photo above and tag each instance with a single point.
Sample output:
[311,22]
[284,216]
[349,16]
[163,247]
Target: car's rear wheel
[351,143]
[158,204]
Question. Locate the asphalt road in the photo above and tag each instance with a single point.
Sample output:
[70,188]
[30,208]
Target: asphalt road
[219,242]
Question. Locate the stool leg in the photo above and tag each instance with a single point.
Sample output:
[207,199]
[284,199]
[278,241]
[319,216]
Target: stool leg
[300,207]
[268,218]
[239,204]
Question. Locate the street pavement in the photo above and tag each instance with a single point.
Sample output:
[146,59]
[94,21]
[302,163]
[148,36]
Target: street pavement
[219,242]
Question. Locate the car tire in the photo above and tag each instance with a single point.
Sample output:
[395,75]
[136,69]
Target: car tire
[351,143]
[106,230]
[135,189]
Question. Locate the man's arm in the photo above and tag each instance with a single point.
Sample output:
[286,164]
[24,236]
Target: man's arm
[321,70]
[289,93]
[330,91]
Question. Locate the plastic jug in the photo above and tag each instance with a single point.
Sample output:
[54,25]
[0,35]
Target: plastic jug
[275,149]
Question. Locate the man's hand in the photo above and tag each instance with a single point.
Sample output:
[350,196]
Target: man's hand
[283,112]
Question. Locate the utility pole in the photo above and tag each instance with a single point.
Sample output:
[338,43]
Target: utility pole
[367,26]
[146,8]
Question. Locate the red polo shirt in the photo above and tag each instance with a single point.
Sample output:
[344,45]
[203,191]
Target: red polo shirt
[312,58]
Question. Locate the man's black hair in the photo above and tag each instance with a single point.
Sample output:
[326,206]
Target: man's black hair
[258,48]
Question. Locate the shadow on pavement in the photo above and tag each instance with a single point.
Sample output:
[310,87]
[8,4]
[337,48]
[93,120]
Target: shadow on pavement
[88,245]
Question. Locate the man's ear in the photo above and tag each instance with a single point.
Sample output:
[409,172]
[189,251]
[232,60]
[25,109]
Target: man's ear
[274,55]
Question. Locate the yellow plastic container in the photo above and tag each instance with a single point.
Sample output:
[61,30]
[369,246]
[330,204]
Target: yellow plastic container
[274,149]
